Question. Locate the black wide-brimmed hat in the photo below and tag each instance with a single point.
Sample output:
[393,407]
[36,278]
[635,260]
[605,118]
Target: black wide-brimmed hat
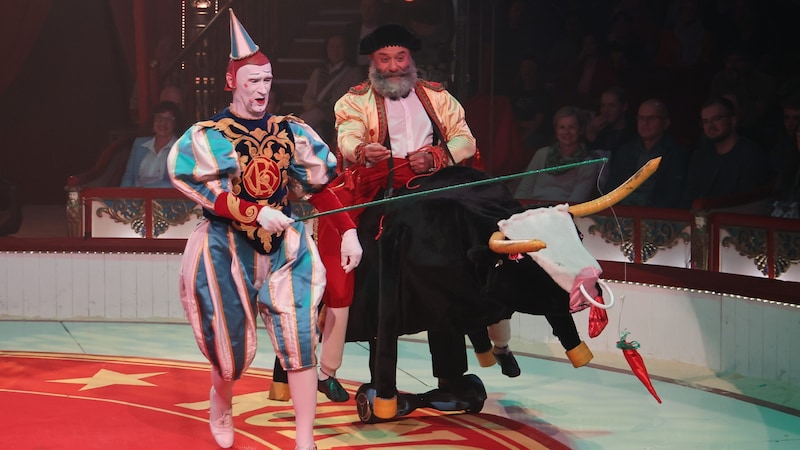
[388,36]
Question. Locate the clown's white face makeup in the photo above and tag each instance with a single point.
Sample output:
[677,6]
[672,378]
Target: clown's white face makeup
[251,92]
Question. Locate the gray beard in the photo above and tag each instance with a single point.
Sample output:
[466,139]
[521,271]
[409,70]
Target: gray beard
[396,88]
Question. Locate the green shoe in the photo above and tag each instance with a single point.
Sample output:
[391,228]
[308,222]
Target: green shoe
[333,390]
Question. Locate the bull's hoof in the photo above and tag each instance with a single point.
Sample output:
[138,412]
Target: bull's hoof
[508,364]
[279,391]
[465,393]
[333,390]
[365,400]
[485,359]
[580,355]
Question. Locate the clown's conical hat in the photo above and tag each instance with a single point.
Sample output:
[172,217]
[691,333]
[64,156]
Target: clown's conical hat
[242,45]
[243,51]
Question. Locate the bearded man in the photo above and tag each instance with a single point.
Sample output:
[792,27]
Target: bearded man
[249,256]
[725,163]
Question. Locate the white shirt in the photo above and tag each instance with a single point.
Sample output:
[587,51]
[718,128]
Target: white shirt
[410,128]
[153,168]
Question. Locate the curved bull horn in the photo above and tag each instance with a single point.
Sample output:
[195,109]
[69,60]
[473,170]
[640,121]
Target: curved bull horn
[615,196]
[499,244]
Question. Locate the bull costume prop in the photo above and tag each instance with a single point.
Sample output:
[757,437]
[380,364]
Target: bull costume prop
[249,257]
[466,277]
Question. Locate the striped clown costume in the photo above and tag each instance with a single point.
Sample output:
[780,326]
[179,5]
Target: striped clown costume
[232,269]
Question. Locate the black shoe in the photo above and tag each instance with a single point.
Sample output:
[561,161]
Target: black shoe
[508,364]
[333,390]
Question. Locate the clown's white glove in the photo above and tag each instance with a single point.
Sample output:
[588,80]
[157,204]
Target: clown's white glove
[351,250]
[273,220]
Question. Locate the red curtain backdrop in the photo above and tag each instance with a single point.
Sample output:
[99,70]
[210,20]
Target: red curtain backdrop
[20,24]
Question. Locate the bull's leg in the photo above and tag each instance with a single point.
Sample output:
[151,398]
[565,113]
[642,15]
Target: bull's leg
[482,346]
[448,355]
[565,330]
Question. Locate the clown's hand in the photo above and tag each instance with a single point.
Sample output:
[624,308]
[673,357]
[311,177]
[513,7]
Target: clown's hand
[273,220]
[351,250]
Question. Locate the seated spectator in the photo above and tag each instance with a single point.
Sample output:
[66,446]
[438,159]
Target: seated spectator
[665,187]
[326,85]
[573,185]
[725,163]
[611,127]
[147,163]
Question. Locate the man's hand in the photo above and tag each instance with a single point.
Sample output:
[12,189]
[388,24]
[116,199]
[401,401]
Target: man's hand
[273,220]
[376,152]
[420,162]
[596,124]
[351,250]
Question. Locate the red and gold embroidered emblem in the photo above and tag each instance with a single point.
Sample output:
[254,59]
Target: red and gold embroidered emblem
[261,177]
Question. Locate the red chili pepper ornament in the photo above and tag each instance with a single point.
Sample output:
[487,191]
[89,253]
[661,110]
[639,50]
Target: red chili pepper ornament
[598,318]
[629,350]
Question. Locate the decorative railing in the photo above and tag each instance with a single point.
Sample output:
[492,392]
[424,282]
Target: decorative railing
[141,213]
[703,239]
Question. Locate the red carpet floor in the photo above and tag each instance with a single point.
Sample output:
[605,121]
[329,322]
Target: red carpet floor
[68,401]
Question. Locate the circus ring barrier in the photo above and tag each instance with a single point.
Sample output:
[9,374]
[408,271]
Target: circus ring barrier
[712,286]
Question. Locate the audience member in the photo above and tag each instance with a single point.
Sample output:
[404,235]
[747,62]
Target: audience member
[725,163]
[147,163]
[530,101]
[326,85]
[665,187]
[573,185]
[611,127]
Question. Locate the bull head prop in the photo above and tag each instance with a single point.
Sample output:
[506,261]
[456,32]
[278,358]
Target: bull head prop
[572,267]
